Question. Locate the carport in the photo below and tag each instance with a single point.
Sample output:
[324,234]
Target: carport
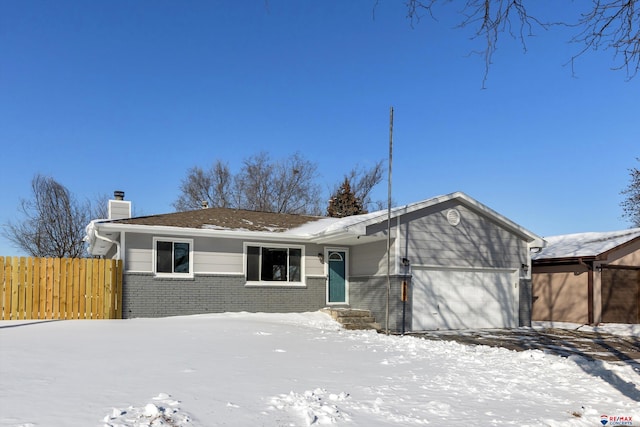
[588,278]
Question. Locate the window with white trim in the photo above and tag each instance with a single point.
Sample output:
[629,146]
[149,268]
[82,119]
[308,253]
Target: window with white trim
[273,263]
[173,257]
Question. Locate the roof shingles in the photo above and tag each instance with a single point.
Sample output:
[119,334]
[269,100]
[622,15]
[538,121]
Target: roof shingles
[224,219]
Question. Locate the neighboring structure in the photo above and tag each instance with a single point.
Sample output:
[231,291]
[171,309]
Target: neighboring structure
[464,265]
[588,278]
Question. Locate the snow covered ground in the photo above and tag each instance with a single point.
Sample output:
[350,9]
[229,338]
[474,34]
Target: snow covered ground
[289,370]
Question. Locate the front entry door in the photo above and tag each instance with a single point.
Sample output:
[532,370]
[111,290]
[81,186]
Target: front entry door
[337,277]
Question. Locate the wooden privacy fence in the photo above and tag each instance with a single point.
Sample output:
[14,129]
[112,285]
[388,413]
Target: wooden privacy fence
[60,288]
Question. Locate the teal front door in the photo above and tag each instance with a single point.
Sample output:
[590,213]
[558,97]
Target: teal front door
[337,277]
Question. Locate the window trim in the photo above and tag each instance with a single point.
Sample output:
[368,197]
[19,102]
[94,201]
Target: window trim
[274,283]
[172,240]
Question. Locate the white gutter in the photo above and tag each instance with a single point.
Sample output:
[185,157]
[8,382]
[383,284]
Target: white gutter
[229,234]
[110,241]
[106,239]
[538,244]
[349,228]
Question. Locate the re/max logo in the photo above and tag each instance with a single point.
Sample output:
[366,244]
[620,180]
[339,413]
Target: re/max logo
[615,420]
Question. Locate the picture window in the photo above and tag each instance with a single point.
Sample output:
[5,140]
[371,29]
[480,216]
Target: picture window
[274,264]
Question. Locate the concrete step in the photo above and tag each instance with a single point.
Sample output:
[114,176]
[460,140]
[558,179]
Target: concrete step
[353,319]
[362,326]
[342,312]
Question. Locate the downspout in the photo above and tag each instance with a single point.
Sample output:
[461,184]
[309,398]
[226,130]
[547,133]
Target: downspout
[535,246]
[589,267]
[106,239]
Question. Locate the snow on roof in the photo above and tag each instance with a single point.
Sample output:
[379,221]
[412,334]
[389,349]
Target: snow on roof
[329,225]
[585,244]
[238,223]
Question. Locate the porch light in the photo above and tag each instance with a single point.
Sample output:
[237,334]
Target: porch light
[321,257]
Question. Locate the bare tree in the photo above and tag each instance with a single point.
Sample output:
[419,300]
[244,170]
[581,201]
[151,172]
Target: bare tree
[296,190]
[100,207]
[363,181]
[254,184]
[609,24]
[284,186]
[213,186]
[54,221]
[614,25]
[631,203]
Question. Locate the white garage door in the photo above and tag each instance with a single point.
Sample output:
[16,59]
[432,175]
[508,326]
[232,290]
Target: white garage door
[464,299]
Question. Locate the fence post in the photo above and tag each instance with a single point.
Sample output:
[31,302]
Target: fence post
[120,278]
[73,274]
[4,290]
[42,303]
[15,288]
[28,307]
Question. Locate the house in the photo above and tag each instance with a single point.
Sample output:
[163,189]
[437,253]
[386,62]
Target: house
[588,278]
[455,262]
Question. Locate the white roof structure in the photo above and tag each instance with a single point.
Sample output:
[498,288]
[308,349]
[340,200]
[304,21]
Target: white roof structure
[102,234]
[585,244]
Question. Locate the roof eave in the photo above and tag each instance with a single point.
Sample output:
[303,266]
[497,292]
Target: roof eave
[533,239]
[605,255]
[188,232]
[564,260]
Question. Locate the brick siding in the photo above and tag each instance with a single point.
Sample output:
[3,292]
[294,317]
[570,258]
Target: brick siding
[147,296]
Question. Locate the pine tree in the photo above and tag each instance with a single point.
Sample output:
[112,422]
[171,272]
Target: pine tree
[344,202]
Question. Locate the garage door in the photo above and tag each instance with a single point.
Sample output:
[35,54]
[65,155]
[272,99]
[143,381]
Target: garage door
[464,299]
[620,295]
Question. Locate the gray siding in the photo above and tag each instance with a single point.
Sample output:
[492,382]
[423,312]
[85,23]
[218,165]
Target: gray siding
[369,259]
[211,255]
[147,296]
[119,209]
[137,252]
[426,238]
[370,293]
[526,298]
[313,265]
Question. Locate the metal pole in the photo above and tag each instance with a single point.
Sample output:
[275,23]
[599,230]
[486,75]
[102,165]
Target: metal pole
[389,216]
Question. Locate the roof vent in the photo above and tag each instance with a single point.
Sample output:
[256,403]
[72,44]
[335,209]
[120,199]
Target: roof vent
[453,217]
[205,204]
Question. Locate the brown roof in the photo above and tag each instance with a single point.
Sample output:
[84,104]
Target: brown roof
[222,218]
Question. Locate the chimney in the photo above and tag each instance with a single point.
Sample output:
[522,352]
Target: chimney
[119,208]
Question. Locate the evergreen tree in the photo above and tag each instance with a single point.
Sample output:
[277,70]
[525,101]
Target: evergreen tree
[344,202]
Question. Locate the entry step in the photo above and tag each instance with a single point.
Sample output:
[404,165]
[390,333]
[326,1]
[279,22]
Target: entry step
[353,319]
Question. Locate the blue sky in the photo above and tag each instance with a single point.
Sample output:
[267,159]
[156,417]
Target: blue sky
[120,95]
